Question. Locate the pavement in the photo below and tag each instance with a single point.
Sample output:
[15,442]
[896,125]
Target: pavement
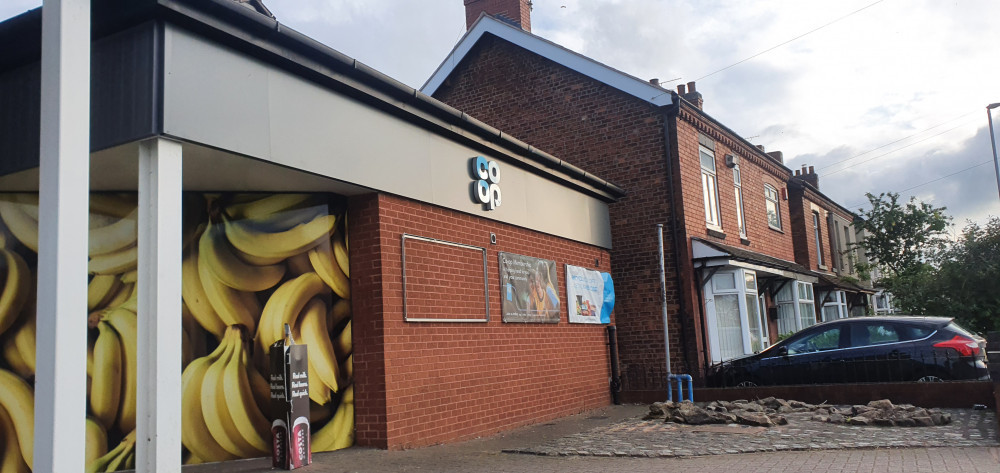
[616,438]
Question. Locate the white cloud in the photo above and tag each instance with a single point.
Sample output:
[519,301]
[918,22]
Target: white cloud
[888,72]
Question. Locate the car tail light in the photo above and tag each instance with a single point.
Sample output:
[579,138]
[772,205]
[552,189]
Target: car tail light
[964,346]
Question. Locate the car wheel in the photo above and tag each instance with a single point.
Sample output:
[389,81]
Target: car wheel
[929,379]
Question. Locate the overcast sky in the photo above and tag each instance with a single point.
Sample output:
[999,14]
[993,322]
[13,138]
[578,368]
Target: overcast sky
[884,96]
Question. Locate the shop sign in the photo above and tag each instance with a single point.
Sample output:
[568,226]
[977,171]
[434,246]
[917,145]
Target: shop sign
[530,289]
[486,182]
[590,295]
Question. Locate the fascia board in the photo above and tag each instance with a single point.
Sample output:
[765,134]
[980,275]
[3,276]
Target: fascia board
[614,78]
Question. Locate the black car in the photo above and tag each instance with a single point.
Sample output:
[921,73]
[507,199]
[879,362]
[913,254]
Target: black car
[862,350]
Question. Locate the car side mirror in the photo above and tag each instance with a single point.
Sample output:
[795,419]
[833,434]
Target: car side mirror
[782,351]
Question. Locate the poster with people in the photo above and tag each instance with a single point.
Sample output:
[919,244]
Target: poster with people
[530,289]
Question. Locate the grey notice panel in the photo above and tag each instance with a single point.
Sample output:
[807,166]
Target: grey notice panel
[430,265]
[220,98]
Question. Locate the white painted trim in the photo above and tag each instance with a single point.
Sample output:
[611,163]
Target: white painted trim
[64,187]
[158,445]
[631,85]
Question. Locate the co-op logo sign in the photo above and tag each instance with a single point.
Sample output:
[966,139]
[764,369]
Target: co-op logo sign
[486,182]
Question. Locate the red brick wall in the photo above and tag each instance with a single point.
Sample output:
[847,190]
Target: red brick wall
[517,10]
[428,383]
[615,136]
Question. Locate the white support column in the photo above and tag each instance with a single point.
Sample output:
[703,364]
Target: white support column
[158,416]
[64,186]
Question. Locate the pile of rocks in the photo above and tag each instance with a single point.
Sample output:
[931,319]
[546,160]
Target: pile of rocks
[883,413]
[768,412]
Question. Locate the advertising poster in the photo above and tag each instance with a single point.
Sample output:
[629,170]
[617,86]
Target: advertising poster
[585,296]
[530,289]
[252,263]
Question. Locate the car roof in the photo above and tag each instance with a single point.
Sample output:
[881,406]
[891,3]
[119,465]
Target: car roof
[912,319]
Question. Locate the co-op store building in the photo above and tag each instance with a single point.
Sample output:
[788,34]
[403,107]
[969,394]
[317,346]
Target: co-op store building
[196,100]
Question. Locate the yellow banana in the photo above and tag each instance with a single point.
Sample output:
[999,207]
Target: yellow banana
[267,206]
[253,427]
[11,460]
[97,441]
[229,269]
[17,288]
[118,235]
[196,336]
[233,307]
[347,368]
[17,398]
[339,432]
[319,392]
[339,312]
[24,339]
[117,262]
[322,261]
[20,224]
[124,323]
[344,344]
[90,356]
[194,293]
[130,277]
[106,387]
[284,306]
[194,432]
[299,265]
[14,359]
[114,205]
[101,289]
[321,355]
[340,252]
[126,292]
[115,459]
[247,237]
[214,403]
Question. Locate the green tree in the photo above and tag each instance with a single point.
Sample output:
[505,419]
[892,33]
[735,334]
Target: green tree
[899,238]
[965,282]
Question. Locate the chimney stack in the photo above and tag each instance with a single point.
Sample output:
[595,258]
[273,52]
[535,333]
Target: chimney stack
[692,94]
[808,174]
[515,12]
[777,155]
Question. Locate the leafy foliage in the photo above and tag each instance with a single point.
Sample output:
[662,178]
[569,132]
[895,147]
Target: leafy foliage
[899,238]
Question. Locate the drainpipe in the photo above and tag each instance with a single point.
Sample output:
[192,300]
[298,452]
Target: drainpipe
[670,111]
[663,297]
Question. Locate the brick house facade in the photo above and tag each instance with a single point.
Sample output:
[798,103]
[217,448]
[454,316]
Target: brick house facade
[724,202]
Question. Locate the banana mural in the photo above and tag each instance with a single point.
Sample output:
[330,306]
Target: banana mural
[252,263]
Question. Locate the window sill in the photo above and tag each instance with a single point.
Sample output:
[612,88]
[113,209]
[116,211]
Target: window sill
[744,241]
[823,267]
[776,229]
[716,233]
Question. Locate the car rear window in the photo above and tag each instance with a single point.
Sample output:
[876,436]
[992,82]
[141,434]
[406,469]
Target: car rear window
[959,330]
[914,332]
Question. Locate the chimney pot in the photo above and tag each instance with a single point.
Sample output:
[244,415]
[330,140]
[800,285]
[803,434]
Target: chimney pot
[812,170]
[681,89]
[760,147]
[654,81]
[797,172]
[691,87]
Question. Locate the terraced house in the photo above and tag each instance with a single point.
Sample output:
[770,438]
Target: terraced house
[743,259]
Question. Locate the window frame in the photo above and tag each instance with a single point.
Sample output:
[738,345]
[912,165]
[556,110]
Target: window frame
[818,233]
[772,200]
[741,219]
[710,188]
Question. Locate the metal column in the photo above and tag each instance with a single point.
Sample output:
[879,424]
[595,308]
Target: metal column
[64,187]
[158,420]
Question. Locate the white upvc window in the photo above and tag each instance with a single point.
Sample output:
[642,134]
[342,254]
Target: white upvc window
[735,322]
[740,216]
[796,307]
[710,188]
[771,204]
[819,239]
[835,306]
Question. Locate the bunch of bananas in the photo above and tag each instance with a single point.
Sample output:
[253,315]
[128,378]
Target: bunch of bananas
[251,264]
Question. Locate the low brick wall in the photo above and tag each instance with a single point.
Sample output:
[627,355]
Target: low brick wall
[947,394]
